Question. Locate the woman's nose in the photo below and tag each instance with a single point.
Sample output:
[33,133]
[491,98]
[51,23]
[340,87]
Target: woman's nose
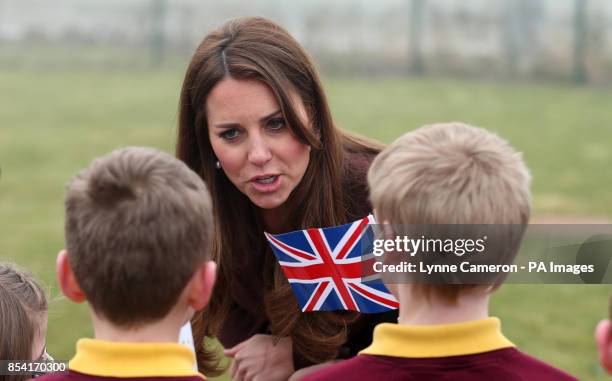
[259,152]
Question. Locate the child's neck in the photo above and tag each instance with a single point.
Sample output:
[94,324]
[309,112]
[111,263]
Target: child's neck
[165,330]
[418,310]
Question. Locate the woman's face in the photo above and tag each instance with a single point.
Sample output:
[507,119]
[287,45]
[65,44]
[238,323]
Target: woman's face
[250,138]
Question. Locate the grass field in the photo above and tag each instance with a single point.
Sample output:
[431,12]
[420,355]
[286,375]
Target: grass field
[54,123]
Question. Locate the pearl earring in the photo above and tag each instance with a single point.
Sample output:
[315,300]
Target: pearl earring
[218,165]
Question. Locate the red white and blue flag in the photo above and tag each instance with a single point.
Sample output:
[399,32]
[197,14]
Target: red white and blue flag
[330,269]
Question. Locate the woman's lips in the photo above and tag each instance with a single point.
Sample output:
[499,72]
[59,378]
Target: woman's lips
[266,183]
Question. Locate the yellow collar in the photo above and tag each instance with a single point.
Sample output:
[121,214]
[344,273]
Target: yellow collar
[125,360]
[465,338]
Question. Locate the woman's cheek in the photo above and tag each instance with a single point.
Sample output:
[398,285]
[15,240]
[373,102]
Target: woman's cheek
[299,154]
[230,165]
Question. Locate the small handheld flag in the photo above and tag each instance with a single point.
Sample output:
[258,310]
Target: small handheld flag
[328,268]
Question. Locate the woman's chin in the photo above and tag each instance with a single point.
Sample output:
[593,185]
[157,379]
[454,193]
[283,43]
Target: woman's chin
[268,202]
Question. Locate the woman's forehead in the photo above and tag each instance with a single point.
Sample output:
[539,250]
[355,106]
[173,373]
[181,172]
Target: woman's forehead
[233,99]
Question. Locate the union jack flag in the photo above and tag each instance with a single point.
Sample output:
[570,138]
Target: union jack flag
[330,269]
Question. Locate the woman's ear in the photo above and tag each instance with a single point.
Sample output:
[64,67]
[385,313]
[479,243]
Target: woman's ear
[68,283]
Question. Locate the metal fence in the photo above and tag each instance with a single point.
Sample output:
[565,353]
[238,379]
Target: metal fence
[569,40]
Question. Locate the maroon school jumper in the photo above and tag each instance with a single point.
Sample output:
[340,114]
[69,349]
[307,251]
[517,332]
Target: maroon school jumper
[474,351]
[76,376]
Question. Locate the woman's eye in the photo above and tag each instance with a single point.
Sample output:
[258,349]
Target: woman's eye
[229,134]
[276,124]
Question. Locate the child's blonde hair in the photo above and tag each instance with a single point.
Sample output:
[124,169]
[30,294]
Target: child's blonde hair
[451,173]
[23,305]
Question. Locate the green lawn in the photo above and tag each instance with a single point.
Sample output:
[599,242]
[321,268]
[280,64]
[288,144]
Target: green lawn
[54,123]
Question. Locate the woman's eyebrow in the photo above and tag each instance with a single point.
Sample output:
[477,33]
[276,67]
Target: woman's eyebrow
[227,125]
[265,118]
[235,125]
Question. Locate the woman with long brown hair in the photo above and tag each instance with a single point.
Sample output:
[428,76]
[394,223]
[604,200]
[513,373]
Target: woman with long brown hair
[254,122]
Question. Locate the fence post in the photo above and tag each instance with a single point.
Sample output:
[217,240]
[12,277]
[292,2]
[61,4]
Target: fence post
[417,66]
[580,41]
[158,15]
[511,37]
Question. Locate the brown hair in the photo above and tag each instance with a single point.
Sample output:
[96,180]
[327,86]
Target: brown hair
[452,173]
[22,306]
[136,218]
[258,49]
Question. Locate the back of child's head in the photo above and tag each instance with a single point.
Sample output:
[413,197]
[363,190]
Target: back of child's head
[138,223]
[23,314]
[451,173]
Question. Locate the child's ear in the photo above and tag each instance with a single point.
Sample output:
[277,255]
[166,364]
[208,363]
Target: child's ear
[201,285]
[603,337]
[68,283]
[388,230]
[385,225]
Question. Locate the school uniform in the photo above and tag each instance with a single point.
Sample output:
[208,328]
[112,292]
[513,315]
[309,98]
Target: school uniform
[471,350]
